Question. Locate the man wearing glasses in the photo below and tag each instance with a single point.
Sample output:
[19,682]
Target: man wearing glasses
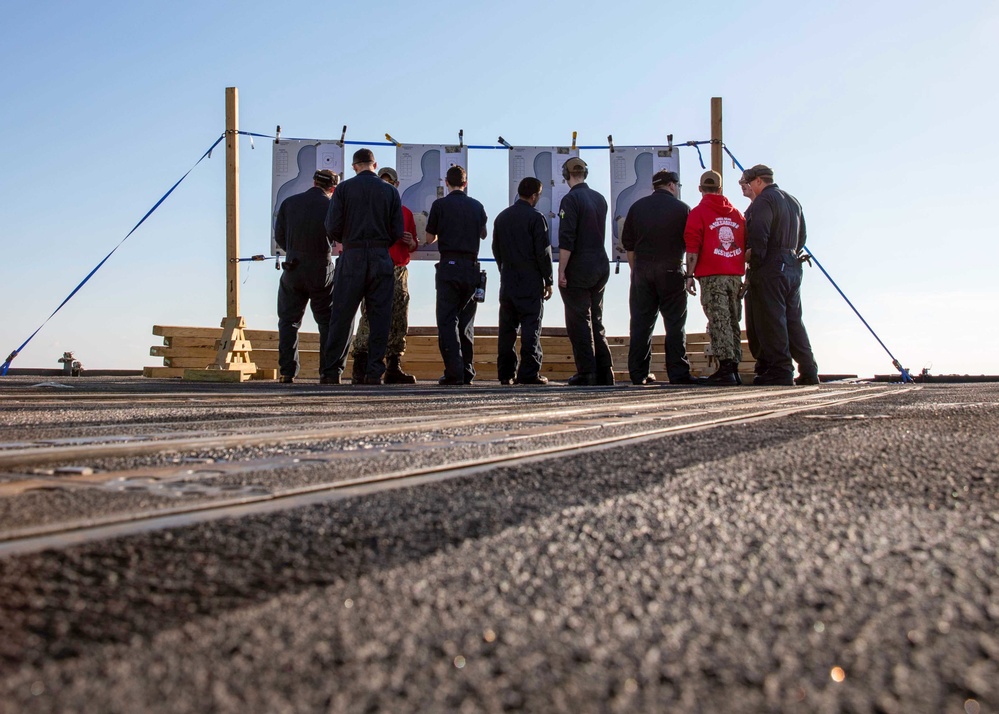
[365,215]
[775,236]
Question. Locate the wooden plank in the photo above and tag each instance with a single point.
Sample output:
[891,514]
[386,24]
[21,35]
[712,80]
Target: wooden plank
[414,331]
[205,342]
[178,331]
[206,353]
[215,375]
[195,348]
[161,372]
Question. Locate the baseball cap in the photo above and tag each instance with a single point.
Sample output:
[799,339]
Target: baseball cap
[664,177]
[711,179]
[575,165]
[325,178]
[388,171]
[757,171]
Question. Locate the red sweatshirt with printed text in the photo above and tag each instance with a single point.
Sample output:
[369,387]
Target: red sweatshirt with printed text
[716,231]
[398,250]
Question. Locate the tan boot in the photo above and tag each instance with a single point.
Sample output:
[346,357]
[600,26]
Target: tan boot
[394,373]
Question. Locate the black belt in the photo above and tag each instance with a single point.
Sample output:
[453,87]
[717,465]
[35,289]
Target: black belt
[308,256]
[454,255]
[354,244]
[653,258]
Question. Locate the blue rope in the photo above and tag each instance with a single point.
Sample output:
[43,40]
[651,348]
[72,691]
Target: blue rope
[15,353]
[695,144]
[895,363]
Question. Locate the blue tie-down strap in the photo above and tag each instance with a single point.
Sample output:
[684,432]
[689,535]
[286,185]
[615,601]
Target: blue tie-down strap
[15,353]
[700,157]
[811,256]
[904,372]
[732,156]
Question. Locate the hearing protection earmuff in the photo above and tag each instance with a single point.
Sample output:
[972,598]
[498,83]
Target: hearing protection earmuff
[565,168]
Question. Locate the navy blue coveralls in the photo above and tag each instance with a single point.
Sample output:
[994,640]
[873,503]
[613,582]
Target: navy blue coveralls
[366,216]
[583,214]
[458,222]
[775,231]
[524,256]
[308,273]
[654,231]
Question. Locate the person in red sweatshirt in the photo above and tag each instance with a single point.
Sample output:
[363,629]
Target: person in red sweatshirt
[715,239]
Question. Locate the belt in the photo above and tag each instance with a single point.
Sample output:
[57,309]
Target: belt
[355,244]
[455,255]
[308,256]
[653,258]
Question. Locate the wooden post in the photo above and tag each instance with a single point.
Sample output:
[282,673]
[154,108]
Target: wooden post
[716,136]
[233,360]
[231,201]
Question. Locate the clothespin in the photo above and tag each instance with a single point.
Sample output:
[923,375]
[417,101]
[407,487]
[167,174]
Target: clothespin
[505,143]
[669,145]
[277,134]
[343,135]
[573,140]
[389,138]
[610,140]
[252,147]
[461,138]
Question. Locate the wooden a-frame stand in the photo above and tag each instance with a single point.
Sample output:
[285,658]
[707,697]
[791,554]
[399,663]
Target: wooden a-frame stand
[232,360]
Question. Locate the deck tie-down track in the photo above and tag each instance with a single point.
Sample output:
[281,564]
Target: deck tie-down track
[697,412]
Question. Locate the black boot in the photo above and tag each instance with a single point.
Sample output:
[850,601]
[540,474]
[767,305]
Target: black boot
[605,377]
[725,375]
[360,368]
[394,373]
[582,379]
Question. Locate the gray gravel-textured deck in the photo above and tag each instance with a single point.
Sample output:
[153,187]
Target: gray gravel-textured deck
[742,569]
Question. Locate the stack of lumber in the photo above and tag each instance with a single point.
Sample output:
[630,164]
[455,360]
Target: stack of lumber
[194,348]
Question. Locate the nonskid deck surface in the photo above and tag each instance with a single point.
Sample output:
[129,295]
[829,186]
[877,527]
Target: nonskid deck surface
[651,545]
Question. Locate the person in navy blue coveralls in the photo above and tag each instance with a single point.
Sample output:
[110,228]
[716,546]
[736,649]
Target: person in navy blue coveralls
[524,256]
[458,222]
[307,278]
[365,215]
[775,237]
[583,270]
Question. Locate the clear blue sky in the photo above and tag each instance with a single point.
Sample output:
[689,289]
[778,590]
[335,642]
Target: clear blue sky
[878,116]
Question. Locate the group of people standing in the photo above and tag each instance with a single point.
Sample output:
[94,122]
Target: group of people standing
[670,247]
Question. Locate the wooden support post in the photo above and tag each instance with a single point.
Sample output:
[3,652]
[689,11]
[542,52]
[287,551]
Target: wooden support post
[716,137]
[232,359]
[231,201]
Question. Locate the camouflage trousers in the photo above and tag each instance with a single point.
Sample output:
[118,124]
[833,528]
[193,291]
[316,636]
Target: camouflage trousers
[723,308]
[400,319]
